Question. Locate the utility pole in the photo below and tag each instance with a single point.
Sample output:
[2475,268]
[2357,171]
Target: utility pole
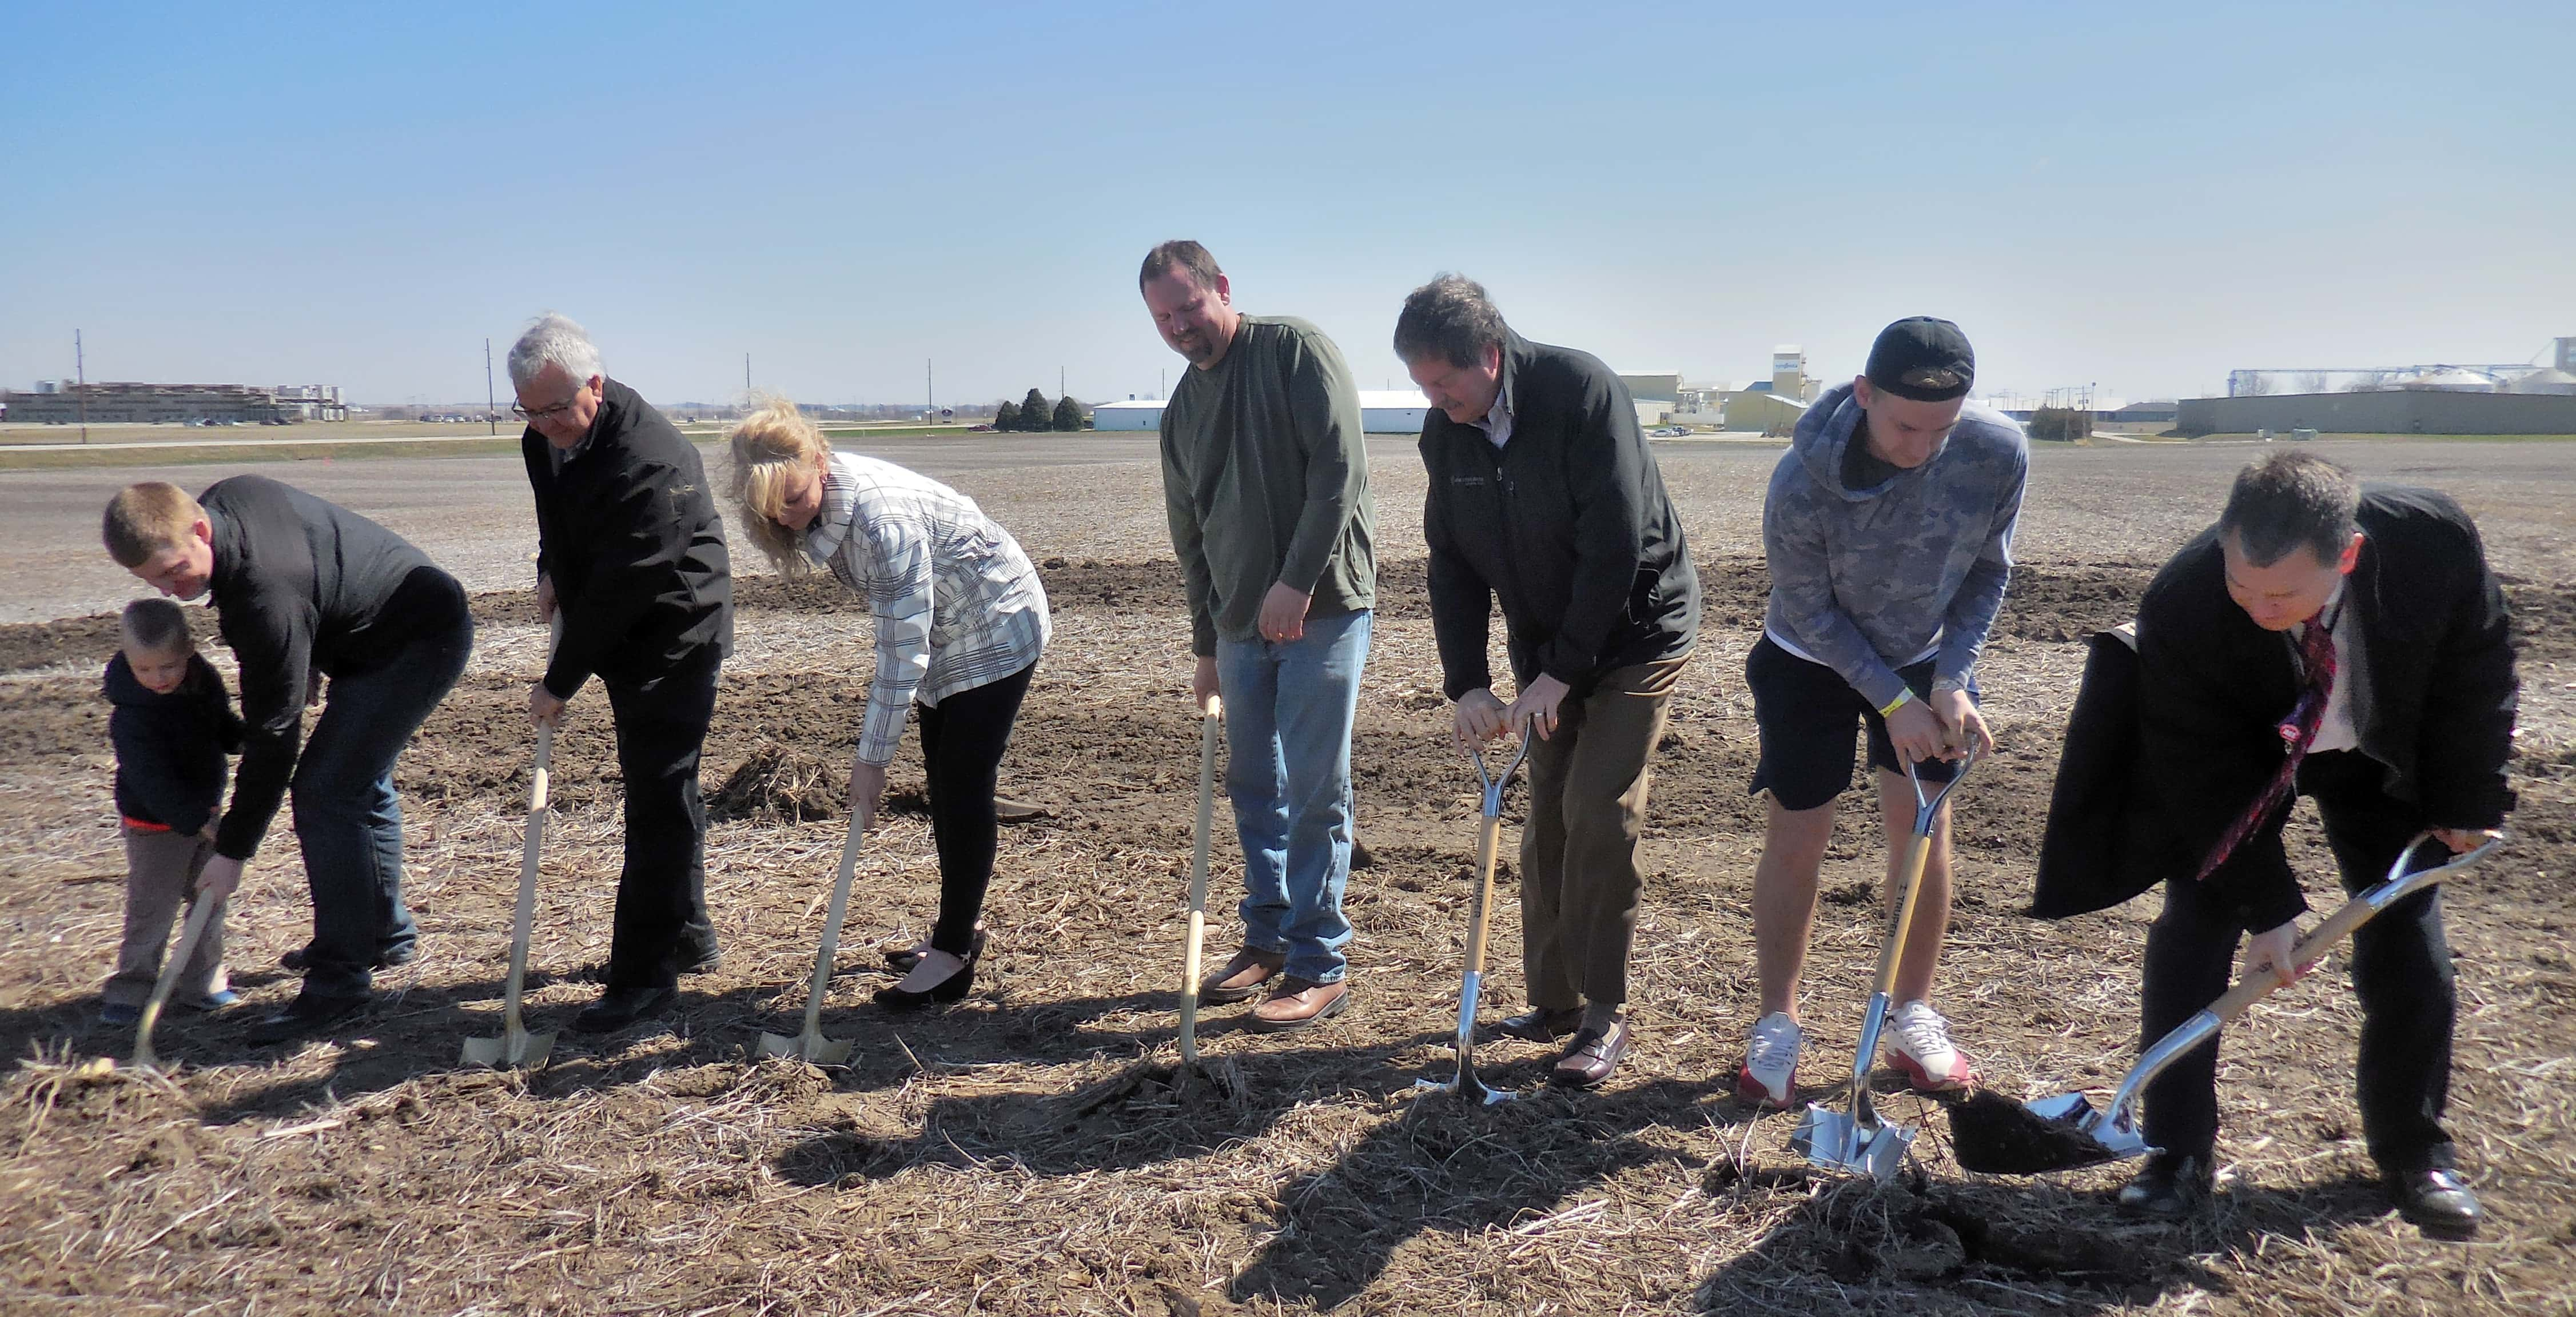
[80,391]
[746,373]
[491,400]
[1059,381]
[929,392]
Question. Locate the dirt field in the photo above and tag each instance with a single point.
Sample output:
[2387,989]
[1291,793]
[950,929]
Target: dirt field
[1022,1152]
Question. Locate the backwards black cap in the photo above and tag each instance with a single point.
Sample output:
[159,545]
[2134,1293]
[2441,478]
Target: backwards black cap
[1922,358]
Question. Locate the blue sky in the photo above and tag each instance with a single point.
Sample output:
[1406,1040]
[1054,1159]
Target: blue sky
[2140,196]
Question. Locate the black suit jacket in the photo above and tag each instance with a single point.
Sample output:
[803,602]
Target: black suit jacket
[629,534]
[2434,705]
[1568,524]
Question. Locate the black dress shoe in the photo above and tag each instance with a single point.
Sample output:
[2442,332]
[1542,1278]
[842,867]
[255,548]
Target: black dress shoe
[304,1016]
[1592,1059]
[301,958]
[620,1007]
[1538,1024]
[951,989]
[2169,1188]
[2437,1199]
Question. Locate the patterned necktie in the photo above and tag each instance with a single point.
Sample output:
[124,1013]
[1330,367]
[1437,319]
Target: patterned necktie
[2298,732]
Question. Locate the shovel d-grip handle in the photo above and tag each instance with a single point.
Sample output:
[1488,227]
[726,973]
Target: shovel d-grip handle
[2402,881]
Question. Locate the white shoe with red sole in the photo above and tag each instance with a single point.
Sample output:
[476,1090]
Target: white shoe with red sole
[1919,1044]
[1769,1076]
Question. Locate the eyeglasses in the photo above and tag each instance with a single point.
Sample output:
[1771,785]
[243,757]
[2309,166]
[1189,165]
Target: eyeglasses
[548,413]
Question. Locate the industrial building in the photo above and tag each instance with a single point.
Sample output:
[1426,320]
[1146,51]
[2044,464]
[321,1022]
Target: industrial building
[1382,411]
[60,402]
[1770,406]
[2508,398]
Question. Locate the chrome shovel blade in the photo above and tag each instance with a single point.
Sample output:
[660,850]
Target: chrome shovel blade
[1477,1092]
[1836,1142]
[808,1047]
[510,1051]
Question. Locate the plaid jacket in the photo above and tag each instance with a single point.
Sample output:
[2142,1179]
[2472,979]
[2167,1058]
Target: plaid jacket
[957,604]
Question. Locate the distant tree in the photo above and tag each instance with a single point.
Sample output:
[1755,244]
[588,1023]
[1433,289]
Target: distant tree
[2308,381]
[1035,411]
[2058,425]
[1006,417]
[1068,413]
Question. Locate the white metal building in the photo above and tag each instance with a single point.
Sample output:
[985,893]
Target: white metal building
[1382,411]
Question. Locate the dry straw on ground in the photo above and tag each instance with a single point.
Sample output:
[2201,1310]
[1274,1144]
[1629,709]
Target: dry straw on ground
[1026,1151]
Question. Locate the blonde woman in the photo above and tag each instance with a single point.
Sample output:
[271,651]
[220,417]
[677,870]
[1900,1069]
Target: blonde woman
[960,623]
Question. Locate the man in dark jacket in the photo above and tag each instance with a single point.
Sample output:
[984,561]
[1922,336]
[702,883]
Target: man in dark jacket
[1542,492]
[2361,631]
[631,554]
[306,589]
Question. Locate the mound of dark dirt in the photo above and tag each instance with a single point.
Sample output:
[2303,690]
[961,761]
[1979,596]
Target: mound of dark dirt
[779,784]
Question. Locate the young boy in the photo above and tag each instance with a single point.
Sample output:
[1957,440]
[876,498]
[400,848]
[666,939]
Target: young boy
[172,726]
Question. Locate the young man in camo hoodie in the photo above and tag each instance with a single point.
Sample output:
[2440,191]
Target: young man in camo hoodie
[1888,528]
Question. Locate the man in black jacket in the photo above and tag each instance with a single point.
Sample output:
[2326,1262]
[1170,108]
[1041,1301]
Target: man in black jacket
[306,589]
[631,553]
[1543,493]
[2361,632]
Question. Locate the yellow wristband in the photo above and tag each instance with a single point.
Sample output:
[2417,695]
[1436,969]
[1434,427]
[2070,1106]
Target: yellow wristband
[1895,704]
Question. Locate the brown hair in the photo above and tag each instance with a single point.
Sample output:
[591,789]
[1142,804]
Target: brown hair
[146,519]
[1183,255]
[156,626]
[768,447]
[2287,500]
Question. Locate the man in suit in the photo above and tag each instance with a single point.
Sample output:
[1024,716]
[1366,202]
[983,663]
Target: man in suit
[2359,631]
[1544,495]
[631,552]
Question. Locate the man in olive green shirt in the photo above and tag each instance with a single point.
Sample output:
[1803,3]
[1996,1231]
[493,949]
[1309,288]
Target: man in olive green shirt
[1265,478]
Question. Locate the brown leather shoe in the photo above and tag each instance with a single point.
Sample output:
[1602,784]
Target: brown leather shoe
[1595,1054]
[1539,1024]
[1242,976]
[1298,1003]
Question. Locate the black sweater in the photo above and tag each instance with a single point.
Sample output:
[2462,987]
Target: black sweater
[2434,701]
[170,748]
[304,586]
[629,535]
[1568,524]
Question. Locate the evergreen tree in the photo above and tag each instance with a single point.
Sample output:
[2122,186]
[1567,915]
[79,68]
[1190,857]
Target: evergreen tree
[1006,417]
[1036,413]
[1068,413]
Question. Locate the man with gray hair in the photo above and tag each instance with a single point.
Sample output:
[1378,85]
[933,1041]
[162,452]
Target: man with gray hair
[1543,495]
[1265,483]
[631,552]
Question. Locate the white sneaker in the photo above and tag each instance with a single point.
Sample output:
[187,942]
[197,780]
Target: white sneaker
[1920,1046]
[1770,1074]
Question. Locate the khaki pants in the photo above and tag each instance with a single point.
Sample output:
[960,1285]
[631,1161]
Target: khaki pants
[1579,880]
[160,880]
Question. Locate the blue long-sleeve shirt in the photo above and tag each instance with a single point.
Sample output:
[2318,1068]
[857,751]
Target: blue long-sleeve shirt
[1869,580]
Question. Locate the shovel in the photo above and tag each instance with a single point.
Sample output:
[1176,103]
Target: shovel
[198,915]
[1993,1134]
[1859,1142]
[811,1044]
[516,1046]
[1208,725]
[1489,835]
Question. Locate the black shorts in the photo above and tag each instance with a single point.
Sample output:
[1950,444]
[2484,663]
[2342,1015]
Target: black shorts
[1807,715]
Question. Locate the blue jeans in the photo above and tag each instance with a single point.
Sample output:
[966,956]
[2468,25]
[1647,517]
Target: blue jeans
[1288,712]
[348,819]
